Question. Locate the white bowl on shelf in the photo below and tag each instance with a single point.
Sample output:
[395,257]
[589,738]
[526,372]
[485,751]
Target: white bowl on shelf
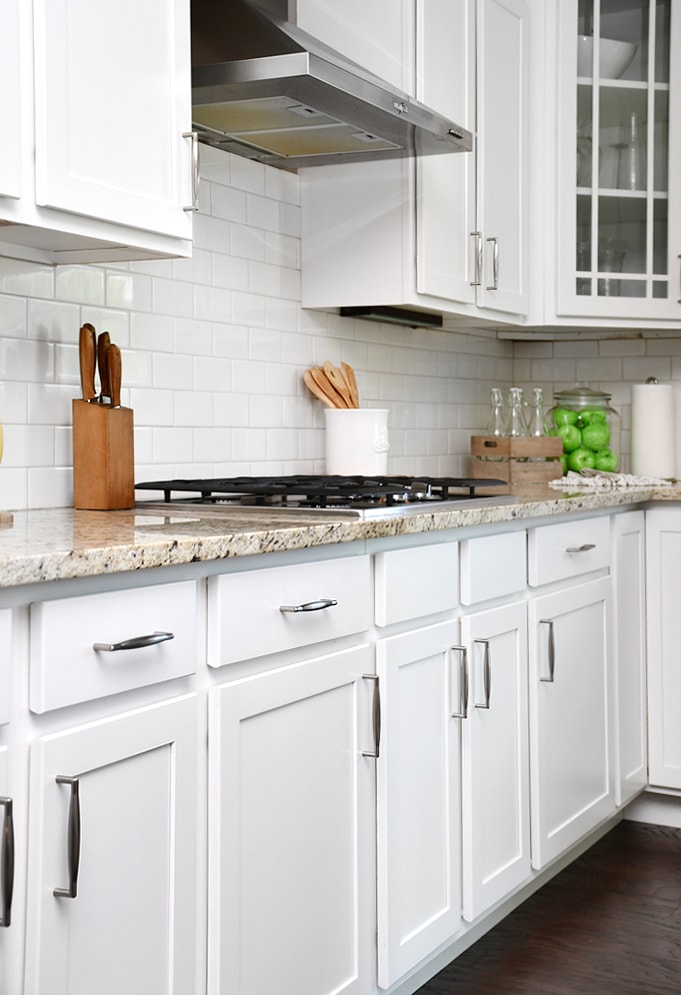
[615,56]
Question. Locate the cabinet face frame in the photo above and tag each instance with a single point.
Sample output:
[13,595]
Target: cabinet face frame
[567,301]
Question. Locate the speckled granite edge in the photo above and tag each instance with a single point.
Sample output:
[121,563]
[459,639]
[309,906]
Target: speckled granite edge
[60,544]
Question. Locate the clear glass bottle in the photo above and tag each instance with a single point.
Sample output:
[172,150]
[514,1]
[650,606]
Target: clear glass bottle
[536,426]
[496,424]
[516,425]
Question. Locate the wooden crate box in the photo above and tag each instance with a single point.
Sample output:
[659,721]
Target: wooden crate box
[517,461]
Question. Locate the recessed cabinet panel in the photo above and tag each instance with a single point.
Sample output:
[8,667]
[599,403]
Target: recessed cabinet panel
[143,636]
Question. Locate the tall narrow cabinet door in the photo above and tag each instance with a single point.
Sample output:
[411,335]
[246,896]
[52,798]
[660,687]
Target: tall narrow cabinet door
[502,152]
[496,768]
[8,927]
[419,787]
[113,856]
[112,102]
[291,866]
[629,653]
[11,90]
[571,761]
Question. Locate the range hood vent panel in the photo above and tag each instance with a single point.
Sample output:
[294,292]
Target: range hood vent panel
[264,89]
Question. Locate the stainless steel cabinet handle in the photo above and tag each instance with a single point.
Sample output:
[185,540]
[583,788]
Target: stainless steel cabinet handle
[7,862]
[310,606]
[584,548]
[477,281]
[552,651]
[137,642]
[72,839]
[463,683]
[194,135]
[376,717]
[486,672]
[495,264]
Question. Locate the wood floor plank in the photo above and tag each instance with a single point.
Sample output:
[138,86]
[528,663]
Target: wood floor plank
[610,924]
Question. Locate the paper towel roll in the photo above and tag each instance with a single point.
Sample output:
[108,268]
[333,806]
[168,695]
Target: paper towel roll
[653,448]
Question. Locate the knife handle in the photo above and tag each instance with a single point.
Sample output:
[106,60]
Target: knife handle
[86,355]
[103,343]
[113,357]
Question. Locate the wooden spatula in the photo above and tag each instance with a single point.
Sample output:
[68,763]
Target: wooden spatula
[318,391]
[337,381]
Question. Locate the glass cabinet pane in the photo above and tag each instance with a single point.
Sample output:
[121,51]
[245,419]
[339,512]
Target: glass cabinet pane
[622,139]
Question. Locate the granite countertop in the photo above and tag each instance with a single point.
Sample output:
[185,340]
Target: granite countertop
[60,543]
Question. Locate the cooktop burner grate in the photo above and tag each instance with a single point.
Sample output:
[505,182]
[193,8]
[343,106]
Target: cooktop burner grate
[305,491]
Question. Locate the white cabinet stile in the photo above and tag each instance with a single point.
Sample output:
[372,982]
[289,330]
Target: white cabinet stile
[7,833]
[291,829]
[136,840]
[629,653]
[5,664]
[10,105]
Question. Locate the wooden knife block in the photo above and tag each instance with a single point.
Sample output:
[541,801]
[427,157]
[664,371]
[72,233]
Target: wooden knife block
[103,457]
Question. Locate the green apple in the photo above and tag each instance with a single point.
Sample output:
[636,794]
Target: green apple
[589,416]
[563,416]
[606,460]
[580,458]
[596,436]
[571,436]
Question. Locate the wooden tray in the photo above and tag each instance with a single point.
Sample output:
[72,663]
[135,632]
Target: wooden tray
[517,461]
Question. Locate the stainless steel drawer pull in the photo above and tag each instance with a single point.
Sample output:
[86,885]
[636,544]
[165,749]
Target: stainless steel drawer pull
[376,717]
[72,838]
[495,265]
[194,135]
[7,862]
[486,673]
[463,684]
[584,548]
[551,650]
[136,643]
[310,606]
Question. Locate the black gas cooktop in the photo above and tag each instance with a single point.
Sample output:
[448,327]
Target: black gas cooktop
[358,496]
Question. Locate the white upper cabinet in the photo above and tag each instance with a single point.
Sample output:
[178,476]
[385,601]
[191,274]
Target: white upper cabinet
[10,107]
[378,35]
[446,233]
[103,97]
[614,187]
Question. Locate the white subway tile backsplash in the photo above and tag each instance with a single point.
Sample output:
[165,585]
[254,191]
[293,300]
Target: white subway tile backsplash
[13,317]
[128,290]
[26,278]
[80,283]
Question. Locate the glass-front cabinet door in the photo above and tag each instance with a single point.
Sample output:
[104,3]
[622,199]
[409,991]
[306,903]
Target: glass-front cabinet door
[620,159]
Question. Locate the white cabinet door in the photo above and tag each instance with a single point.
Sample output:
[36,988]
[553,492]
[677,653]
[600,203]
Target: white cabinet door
[7,871]
[128,857]
[503,153]
[111,107]
[570,722]
[10,104]
[5,663]
[496,766]
[378,35]
[419,787]
[629,655]
[291,831]
[663,542]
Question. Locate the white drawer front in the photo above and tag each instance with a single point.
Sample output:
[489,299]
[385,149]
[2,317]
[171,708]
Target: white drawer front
[65,668]
[412,583]
[245,616]
[5,662]
[557,552]
[493,566]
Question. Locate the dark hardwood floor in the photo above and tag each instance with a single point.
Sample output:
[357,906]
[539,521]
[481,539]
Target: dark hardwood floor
[608,924]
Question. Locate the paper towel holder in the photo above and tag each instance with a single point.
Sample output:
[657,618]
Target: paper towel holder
[652,380]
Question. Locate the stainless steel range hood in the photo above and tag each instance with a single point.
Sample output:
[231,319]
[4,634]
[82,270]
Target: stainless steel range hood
[263,89]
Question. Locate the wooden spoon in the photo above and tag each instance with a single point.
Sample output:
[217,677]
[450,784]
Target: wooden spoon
[318,391]
[351,381]
[337,380]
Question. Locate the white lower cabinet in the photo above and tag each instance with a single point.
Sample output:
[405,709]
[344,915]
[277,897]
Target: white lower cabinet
[112,855]
[419,794]
[6,866]
[629,635]
[571,762]
[496,802]
[664,638]
[291,829]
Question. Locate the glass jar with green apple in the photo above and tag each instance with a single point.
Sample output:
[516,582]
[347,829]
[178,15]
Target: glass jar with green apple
[589,427]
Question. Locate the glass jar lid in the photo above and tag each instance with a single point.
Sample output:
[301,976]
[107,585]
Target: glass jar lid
[582,394]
